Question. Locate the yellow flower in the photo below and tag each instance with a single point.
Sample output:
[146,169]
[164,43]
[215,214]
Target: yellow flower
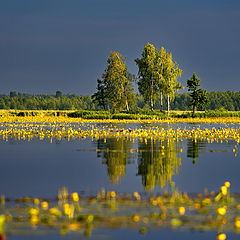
[221,211]
[224,190]
[75,197]
[112,194]
[36,201]
[221,236]
[136,218]
[237,222]
[227,184]
[2,222]
[181,210]
[34,220]
[54,211]
[206,201]
[44,205]
[68,210]
[33,211]
[137,195]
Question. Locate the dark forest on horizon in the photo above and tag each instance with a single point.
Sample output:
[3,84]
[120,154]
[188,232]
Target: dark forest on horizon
[228,100]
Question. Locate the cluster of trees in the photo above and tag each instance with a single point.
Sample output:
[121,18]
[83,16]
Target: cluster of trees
[157,78]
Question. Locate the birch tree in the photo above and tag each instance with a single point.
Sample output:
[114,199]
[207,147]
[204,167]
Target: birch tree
[158,75]
[147,83]
[115,86]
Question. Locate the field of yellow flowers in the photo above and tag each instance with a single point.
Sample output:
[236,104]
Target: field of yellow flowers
[64,127]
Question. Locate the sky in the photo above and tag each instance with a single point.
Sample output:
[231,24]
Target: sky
[50,45]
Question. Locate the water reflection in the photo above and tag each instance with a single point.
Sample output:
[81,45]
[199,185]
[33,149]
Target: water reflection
[154,164]
[158,161]
[116,154]
[194,146]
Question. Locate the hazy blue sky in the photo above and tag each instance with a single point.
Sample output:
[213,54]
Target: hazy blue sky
[49,45]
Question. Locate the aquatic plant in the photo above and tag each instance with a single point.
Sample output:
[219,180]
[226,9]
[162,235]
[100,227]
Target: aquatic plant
[73,212]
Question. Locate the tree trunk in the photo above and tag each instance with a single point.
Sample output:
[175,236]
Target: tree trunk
[161,101]
[168,104]
[151,103]
[127,106]
[151,95]
[193,112]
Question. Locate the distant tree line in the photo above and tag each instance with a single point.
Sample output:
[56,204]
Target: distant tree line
[23,101]
[228,100]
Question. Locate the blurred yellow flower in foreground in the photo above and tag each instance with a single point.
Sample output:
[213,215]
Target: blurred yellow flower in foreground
[181,210]
[221,236]
[221,211]
[227,184]
[75,197]
[44,205]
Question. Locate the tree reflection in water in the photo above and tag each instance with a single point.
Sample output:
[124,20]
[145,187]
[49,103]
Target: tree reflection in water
[194,146]
[158,161]
[116,154]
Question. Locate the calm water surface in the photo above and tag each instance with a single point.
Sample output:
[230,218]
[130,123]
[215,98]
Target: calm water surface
[116,234]
[39,168]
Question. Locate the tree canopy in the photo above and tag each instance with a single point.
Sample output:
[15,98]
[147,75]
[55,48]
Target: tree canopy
[115,90]
[199,97]
[158,75]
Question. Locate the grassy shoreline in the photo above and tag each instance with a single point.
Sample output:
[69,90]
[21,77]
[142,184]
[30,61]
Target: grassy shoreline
[125,117]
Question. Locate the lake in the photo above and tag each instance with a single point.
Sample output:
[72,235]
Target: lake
[38,168]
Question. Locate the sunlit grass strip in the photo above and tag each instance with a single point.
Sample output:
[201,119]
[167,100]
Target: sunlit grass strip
[218,211]
[158,133]
[62,119]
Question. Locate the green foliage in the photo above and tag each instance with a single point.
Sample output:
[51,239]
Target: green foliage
[100,97]
[115,90]
[90,114]
[46,102]
[210,113]
[58,94]
[193,83]
[141,114]
[199,96]
[228,101]
[157,75]
[148,84]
